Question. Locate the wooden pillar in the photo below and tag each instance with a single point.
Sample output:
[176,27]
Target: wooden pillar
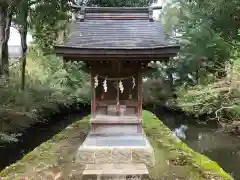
[139,95]
[93,97]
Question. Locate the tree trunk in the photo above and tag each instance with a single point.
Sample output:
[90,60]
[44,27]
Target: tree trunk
[221,70]
[3,15]
[24,58]
[197,76]
[5,24]
[23,34]
[171,80]
[7,35]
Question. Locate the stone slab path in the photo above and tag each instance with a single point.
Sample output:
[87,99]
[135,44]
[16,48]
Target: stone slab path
[116,171]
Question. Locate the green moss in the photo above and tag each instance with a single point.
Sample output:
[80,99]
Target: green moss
[83,123]
[60,136]
[15,168]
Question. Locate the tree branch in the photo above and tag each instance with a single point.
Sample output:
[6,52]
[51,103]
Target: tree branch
[33,2]
[219,110]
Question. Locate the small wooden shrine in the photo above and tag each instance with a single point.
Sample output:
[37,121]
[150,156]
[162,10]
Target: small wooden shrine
[117,44]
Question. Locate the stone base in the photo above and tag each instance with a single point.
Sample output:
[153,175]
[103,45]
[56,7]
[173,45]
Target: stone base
[107,149]
[99,177]
[111,129]
[115,171]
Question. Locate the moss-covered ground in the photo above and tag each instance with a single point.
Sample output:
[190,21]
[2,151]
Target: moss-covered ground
[54,159]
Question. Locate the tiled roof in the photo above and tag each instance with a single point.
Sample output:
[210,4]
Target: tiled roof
[111,29]
[116,34]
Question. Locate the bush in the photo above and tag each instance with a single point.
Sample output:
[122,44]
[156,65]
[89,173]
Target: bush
[220,99]
[199,99]
[156,91]
[48,85]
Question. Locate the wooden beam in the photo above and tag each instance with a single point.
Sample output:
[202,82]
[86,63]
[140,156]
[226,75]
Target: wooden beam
[119,17]
[126,53]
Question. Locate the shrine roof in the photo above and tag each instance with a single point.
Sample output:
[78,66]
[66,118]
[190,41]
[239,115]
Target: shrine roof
[116,29]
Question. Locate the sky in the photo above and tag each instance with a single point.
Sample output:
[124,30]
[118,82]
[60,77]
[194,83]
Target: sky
[15,40]
[157,12]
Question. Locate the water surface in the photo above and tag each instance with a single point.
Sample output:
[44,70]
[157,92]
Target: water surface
[220,147]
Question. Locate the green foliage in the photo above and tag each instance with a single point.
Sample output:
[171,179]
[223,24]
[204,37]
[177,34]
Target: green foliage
[22,9]
[157,91]
[66,85]
[206,40]
[220,98]
[47,20]
[199,99]
[48,85]
[207,68]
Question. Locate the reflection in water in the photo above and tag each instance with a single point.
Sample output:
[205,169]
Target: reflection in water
[218,146]
[180,132]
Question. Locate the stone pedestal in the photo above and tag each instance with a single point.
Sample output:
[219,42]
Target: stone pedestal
[113,148]
[116,148]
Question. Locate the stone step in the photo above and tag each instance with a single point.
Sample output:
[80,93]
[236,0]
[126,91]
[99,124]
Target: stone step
[111,140]
[115,171]
[105,119]
[116,129]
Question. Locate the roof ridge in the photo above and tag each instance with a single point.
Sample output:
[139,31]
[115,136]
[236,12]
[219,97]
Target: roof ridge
[116,13]
[116,9]
[90,9]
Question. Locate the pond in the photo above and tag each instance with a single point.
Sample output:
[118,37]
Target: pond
[221,147]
